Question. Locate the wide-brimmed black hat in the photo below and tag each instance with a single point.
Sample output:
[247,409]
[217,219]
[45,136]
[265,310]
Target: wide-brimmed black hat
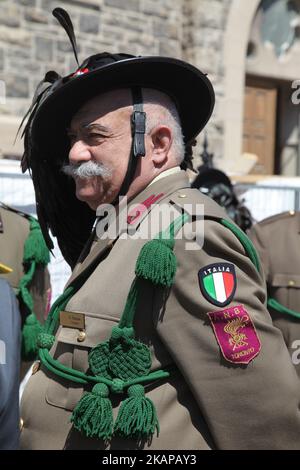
[188,87]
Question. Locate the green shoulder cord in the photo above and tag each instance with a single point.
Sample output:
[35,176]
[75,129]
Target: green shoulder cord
[250,250]
[245,241]
[35,252]
[121,362]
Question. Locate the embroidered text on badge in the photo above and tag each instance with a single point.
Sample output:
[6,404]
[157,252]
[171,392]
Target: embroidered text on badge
[218,283]
[236,334]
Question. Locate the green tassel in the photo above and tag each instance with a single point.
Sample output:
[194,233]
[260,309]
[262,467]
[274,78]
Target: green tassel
[157,262]
[31,330]
[92,415]
[35,248]
[137,416]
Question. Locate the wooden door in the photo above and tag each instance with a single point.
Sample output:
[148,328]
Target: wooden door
[260,126]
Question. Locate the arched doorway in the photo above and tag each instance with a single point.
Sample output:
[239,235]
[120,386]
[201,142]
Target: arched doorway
[261,57]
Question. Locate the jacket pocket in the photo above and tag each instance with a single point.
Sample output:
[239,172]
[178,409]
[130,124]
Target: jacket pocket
[71,348]
[285,288]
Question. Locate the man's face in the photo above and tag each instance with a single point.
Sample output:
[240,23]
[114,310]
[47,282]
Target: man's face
[100,133]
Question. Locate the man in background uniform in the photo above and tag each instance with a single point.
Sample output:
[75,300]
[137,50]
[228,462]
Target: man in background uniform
[28,274]
[277,240]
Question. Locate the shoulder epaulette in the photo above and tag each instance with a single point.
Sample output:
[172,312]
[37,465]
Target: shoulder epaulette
[13,209]
[276,217]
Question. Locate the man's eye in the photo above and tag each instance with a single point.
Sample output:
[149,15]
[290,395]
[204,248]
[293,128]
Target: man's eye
[94,135]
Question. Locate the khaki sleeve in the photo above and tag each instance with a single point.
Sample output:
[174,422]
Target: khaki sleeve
[40,289]
[253,406]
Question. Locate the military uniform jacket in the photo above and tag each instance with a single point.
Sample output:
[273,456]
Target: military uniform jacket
[208,402]
[277,240]
[14,229]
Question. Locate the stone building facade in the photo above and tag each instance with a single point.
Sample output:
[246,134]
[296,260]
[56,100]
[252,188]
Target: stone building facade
[211,34]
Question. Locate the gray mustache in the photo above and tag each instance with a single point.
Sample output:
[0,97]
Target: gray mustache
[86,170]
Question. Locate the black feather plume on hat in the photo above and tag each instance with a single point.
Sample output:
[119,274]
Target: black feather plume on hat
[54,191]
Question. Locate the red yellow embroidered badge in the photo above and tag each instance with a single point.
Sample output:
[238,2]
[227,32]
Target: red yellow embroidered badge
[235,334]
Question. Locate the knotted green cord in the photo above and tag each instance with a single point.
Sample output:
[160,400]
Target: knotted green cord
[127,358]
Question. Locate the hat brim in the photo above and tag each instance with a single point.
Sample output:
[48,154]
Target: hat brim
[188,87]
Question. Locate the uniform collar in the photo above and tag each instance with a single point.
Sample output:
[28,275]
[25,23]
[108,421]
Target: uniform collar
[138,208]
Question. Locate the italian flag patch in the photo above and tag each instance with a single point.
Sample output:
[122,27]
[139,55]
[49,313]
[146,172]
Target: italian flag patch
[218,283]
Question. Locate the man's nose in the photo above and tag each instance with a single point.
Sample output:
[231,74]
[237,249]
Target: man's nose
[79,152]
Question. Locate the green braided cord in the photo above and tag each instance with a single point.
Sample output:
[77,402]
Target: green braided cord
[44,356]
[156,261]
[130,306]
[174,227]
[98,359]
[32,327]
[128,358]
[35,252]
[45,341]
[93,414]
[60,303]
[23,290]
[158,374]
[30,332]
[245,241]
[281,308]
[35,248]
[80,377]
[137,417]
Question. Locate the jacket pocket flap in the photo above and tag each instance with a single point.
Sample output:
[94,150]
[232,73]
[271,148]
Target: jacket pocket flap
[286,280]
[96,330]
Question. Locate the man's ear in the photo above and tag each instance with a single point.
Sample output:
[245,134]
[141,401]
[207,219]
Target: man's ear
[161,139]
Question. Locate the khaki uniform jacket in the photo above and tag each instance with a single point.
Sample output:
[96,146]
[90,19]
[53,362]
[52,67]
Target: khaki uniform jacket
[208,402]
[14,230]
[277,240]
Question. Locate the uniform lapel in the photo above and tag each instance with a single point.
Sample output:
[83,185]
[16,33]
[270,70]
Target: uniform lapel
[137,209]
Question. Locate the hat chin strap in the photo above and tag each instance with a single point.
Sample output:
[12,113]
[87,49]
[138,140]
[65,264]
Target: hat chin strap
[138,128]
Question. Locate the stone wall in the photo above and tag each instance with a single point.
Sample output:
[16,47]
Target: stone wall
[32,42]
[203,45]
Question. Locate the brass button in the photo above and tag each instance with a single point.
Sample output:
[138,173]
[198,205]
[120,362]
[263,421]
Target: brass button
[81,336]
[291,283]
[21,424]
[292,212]
[35,367]
[181,195]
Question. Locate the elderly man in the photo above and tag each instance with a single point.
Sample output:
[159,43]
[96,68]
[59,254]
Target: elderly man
[160,341]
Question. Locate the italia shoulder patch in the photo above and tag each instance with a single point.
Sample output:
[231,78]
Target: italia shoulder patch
[218,283]
[235,334]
